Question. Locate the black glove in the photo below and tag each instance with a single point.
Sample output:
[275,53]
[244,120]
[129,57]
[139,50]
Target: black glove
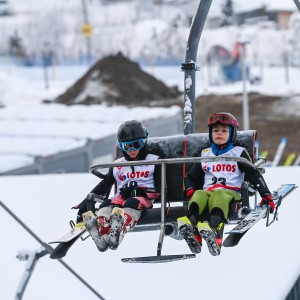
[83,207]
[131,189]
[140,192]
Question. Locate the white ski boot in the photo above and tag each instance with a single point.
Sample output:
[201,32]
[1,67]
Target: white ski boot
[91,225]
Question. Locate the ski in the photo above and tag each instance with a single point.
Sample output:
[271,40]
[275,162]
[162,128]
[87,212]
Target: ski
[62,248]
[67,240]
[236,234]
[77,230]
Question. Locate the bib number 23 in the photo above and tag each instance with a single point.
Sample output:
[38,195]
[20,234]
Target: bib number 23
[220,180]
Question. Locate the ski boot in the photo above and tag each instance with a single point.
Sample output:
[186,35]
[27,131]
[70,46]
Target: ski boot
[116,227]
[122,220]
[219,234]
[216,222]
[210,238]
[91,225]
[192,238]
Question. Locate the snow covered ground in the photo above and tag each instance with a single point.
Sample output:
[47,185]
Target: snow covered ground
[31,129]
[264,266]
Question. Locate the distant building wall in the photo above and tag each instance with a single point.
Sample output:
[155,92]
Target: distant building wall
[283,19]
[279,17]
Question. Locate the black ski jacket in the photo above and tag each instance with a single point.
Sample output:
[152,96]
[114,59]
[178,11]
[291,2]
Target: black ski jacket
[195,176]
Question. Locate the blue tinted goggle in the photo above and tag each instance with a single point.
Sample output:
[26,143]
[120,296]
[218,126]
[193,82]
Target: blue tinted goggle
[132,145]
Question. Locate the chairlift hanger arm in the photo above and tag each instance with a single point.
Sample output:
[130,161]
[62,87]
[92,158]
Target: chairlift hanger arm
[297,3]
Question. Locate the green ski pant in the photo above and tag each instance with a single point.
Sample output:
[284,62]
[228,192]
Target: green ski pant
[214,199]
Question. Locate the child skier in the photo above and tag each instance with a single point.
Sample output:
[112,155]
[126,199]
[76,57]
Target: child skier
[212,186]
[135,187]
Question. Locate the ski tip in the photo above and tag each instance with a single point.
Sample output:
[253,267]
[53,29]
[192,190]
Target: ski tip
[233,239]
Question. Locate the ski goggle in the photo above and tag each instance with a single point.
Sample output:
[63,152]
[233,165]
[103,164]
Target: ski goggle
[224,119]
[132,145]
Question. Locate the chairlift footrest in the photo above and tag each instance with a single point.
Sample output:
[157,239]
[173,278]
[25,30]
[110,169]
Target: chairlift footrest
[158,258]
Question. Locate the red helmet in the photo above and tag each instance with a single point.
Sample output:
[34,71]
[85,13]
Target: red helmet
[225,119]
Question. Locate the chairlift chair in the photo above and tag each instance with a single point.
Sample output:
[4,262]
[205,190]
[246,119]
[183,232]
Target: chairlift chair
[177,154]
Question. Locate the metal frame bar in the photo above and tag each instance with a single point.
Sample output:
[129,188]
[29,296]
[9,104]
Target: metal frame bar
[173,161]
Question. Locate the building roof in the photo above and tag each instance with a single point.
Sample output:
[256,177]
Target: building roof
[240,6]
[244,5]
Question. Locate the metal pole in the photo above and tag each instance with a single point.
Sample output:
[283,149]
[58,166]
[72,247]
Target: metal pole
[246,122]
[297,4]
[190,67]
[87,38]
[46,76]
[46,59]
[163,209]
[49,249]
[286,66]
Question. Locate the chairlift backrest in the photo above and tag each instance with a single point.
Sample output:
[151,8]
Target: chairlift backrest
[182,146]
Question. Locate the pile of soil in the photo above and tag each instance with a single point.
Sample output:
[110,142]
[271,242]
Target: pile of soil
[117,80]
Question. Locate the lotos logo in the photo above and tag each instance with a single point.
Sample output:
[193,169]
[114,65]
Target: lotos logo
[134,175]
[137,174]
[122,176]
[223,167]
[206,168]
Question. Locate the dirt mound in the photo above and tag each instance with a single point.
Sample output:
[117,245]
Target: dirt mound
[266,116]
[117,80]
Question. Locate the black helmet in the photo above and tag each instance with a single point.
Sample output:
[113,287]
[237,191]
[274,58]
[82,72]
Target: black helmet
[226,119]
[132,130]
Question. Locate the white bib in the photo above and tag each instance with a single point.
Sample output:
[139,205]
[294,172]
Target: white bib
[222,173]
[143,175]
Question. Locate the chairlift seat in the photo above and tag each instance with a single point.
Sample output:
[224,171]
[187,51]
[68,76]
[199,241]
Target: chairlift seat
[181,146]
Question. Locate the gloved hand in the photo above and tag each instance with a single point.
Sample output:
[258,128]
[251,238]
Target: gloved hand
[189,193]
[267,200]
[140,192]
[83,207]
[131,189]
[126,189]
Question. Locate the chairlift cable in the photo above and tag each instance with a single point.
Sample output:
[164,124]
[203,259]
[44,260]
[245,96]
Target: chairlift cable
[49,249]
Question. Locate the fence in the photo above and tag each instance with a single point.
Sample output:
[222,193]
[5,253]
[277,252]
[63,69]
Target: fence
[79,159]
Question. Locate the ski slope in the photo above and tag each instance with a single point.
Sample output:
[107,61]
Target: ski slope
[264,266]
